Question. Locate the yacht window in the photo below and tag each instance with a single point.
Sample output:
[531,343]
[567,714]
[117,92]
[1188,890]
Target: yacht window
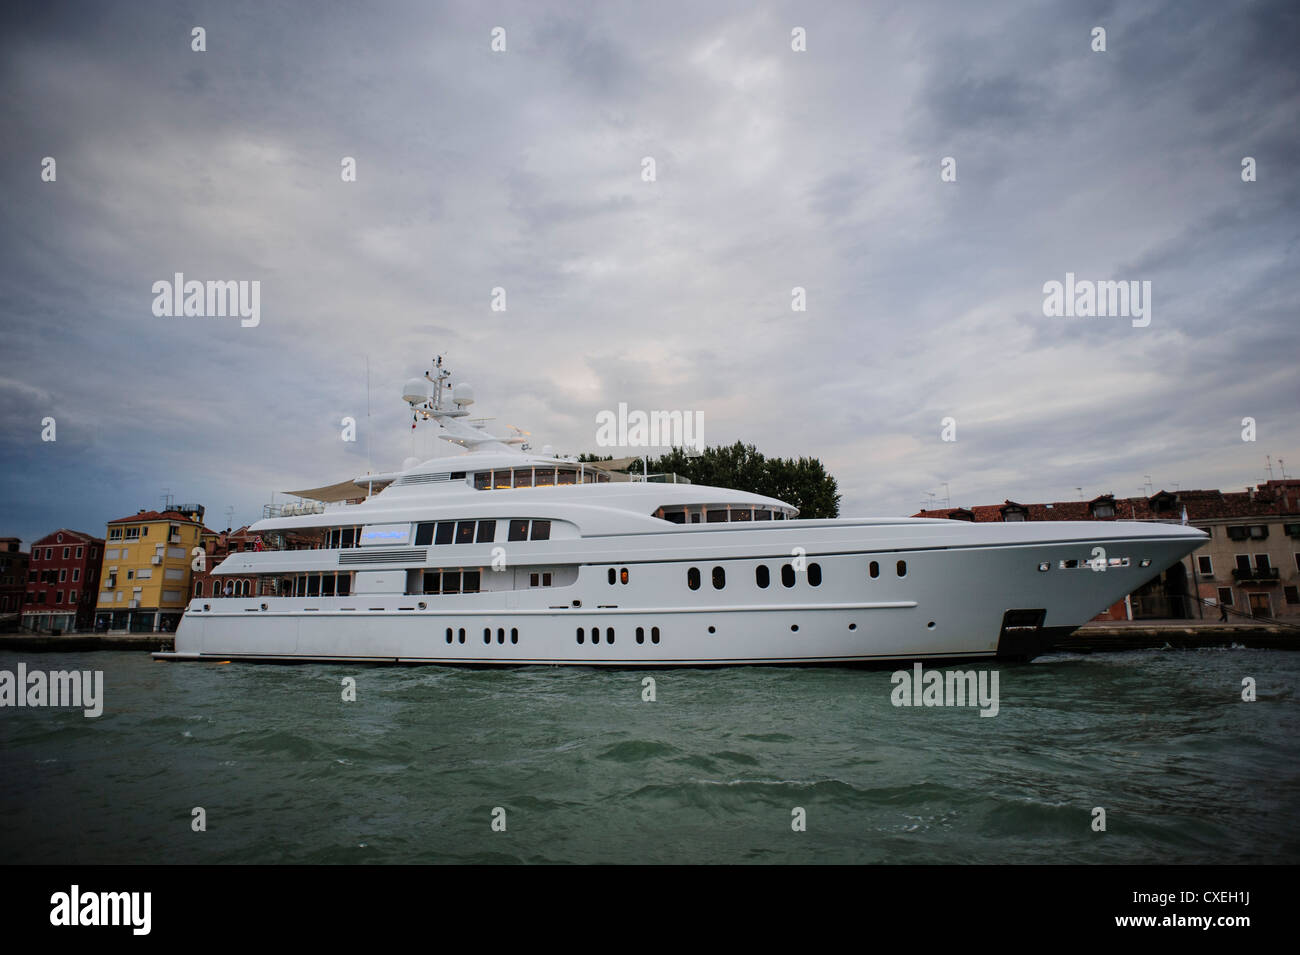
[815,575]
[779,516]
[787,575]
[640,634]
[446,532]
[523,477]
[545,477]
[518,531]
[541,530]
[470,581]
[744,514]
[874,569]
[451,582]
[654,634]
[546,578]
[345,585]
[693,578]
[719,578]
[487,532]
[611,576]
[761,576]
[717,517]
[423,534]
[465,532]
[457,476]
[533,580]
[762,514]
[567,476]
[327,585]
[675,517]
[432,582]
[313,585]
[902,568]
[482,480]
[349,537]
[695,517]
[622,575]
[501,479]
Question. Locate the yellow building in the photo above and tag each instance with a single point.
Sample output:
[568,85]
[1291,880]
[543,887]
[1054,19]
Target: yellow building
[145,578]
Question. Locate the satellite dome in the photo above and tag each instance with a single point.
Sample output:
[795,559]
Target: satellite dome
[462,394]
[415,391]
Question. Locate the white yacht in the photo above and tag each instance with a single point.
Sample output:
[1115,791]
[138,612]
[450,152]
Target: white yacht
[501,556]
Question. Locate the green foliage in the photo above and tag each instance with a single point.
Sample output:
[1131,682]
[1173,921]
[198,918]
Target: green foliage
[802,482]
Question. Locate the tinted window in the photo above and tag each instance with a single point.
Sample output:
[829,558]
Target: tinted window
[446,532]
[693,578]
[716,517]
[518,531]
[487,532]
[423,535]
[432,582]
[465,532]
[470,582]
[451,582]
[541,530]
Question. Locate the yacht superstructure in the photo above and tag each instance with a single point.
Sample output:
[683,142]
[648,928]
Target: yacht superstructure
[499,555]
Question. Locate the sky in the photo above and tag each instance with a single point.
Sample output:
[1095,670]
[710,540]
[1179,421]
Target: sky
[524,169]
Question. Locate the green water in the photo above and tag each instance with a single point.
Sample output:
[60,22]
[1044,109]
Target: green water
[711,771]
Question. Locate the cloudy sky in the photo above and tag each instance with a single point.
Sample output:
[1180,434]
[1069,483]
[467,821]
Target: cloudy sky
[523,169]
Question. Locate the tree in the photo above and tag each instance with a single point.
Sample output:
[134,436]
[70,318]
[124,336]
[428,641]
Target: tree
[802,482]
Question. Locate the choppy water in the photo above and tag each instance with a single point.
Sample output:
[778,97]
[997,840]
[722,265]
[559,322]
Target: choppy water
[709,772]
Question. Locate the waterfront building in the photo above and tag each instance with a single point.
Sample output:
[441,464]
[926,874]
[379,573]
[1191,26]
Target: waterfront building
[62,577]
[13,575]
[1249,567]
[145,576]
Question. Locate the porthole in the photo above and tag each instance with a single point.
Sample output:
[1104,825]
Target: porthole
[580,636]
[693,578]
[501,635]
[460,635]
[449,634]
[794,628]
[487,634]
[874,569]
[713,629]
[787,575]
[719,578]
[595,634]
[514,635]
[902,568]
[853,626]
[609,634]
[654,634]
[930,625]
[640,634]
[815,575]
[611,576]
[622,575]
[761,576]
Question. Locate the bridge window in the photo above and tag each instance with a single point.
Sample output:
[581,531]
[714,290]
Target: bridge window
[716,516]
[742,514]
[762,514]
[544,477]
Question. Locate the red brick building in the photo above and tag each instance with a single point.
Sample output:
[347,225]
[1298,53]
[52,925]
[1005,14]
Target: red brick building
[1250,566]
[13,575]
[62,577]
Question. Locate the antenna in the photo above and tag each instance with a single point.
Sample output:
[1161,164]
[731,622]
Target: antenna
[1148,477]
[1268,464]
[1080,490]
[947,496]
[167,499]
[1283,467]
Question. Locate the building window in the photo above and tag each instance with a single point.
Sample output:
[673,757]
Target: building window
[76,574]
[1243,563]
[63,574]
[693,578]
[1204,566]
[1262,563]
[1225,596]
[67,551]
[198,588]
[1292,595]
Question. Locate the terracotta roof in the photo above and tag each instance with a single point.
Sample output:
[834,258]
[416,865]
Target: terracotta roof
[1272,499]
[153,516]
[78,535]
